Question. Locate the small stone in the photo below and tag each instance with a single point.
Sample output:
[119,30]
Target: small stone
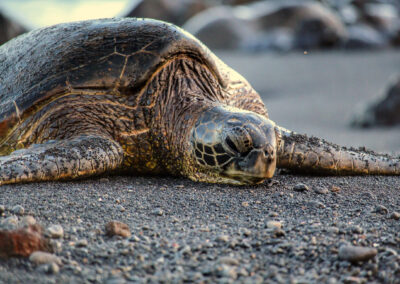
[316,204]
[228,260]
[356,229]
[55,231]
[114,228]
[381,209]
[18,210]
[335,188]
[321,190]
[121,208]
[274,224]
[223,238]
[395,215]
[10,223]
[82,243]
[40,257]
[27,220]
[2,209]
[245,204]
[158,212]
[353,280]
[53,268]
[355,254]
[301,187]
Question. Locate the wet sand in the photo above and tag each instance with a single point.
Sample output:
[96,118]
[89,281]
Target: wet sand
[192,232]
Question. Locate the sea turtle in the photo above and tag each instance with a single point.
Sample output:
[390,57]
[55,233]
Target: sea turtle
[143,96]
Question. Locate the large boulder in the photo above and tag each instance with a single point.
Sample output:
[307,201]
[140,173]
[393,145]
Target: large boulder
[304,25]
[385,111]
[173,11]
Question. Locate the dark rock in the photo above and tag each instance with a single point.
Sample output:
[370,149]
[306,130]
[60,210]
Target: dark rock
[384,112]
[356,254]
[115,228]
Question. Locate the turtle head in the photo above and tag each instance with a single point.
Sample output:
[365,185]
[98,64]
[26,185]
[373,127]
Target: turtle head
[233,146]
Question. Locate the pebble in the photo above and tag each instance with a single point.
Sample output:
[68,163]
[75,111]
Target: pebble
[356,229]
[40,257]
[355,253]
[27,221]
[301,187]
[274,225]
[395,215]
[114,228]
[18,210]
[223,238]
[158,212]
[2,209]
[381,209]
[55,231]
[121,208]
[228,261]
[316,204]
[82,243]
[335,188]
[321,190]
[10,223]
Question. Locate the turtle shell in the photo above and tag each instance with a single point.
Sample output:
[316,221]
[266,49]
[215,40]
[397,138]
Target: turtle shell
[115,54]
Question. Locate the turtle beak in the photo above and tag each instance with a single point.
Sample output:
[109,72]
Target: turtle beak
[258,165]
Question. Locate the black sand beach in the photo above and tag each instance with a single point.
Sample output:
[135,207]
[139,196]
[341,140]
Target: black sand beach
[192,232]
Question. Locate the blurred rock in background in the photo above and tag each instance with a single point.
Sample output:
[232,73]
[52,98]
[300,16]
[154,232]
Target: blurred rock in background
[9,28]
[173,11]
[282,25]
[268,25]
[385,111]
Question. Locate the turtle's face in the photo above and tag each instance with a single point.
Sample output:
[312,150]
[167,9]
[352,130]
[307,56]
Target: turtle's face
[233,146]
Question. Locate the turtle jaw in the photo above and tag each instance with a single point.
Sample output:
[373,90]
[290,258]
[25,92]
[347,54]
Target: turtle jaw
[257,166]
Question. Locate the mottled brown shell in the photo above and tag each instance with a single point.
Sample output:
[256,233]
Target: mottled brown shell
[119,55]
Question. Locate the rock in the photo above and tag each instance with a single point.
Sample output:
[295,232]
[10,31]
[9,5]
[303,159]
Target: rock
[10,223]
[158,212]
[321,190]
[40,257]
[9,28]
[300,187]
[364,37]
[26,221]
[395,215]
[228,261]
[115,228]
[274,225]
[384,111]
[335,188]
[380,209]
[121,208]
[223,238]
[2,209]
[55,231]
[269,26]
[82,243]
[50,268]
[18,210]
[356,254]
[173,11]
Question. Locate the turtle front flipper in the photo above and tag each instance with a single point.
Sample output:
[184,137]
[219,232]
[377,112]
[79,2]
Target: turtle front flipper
[313,155]
[80,156]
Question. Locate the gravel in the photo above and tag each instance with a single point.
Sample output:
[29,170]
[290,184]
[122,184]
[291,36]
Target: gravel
[208,235]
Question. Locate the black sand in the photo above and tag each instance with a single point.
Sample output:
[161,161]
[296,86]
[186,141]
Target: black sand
[193,232]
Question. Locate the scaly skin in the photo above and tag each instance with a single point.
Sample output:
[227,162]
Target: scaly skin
[300,153]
